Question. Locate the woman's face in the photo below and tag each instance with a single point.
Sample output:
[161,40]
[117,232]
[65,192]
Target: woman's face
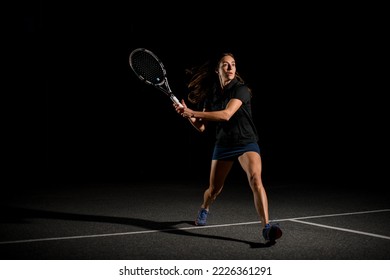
[226,69]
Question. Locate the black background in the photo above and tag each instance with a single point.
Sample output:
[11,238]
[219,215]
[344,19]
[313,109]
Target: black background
[315,74]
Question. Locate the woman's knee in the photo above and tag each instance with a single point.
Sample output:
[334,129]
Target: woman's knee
[255,182]
[254,178]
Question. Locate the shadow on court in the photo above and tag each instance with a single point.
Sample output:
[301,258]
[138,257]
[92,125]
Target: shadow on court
[20,215]
[124,221]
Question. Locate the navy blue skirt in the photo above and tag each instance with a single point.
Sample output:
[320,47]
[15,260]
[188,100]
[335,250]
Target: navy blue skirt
[232,153]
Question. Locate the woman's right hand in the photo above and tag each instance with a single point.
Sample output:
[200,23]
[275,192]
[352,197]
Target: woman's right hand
[180,109]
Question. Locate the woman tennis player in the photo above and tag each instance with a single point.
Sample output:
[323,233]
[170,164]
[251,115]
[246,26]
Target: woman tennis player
[221,96]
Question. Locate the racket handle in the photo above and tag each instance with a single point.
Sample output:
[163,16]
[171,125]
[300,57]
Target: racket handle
[174,99]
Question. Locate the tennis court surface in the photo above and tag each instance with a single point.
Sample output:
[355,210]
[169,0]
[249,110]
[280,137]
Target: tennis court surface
[154,220]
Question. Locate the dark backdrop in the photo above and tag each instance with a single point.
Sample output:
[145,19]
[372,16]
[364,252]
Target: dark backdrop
[315,76]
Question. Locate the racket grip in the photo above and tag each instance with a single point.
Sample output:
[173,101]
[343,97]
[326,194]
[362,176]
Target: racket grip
[174,99]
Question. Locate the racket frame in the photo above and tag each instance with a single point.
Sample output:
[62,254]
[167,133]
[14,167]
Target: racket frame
[164,84]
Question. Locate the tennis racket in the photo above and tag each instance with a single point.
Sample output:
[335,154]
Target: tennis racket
[149,69]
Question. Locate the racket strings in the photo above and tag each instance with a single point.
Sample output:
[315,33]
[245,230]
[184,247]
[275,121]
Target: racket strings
[147,67]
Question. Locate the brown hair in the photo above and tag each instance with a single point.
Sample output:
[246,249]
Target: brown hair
[203,80]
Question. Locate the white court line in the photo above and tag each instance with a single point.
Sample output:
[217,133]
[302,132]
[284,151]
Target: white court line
[179,229]
[342,229]
[341,214]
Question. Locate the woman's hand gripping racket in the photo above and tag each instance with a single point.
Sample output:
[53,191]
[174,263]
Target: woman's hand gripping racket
[149,68]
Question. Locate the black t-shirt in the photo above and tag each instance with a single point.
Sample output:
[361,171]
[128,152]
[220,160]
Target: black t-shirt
[239,130]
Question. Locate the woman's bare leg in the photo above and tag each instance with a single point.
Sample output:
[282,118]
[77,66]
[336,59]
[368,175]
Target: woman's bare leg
[251,163]
[218,173]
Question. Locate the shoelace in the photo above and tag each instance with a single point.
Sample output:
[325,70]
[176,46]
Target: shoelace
[203,214]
